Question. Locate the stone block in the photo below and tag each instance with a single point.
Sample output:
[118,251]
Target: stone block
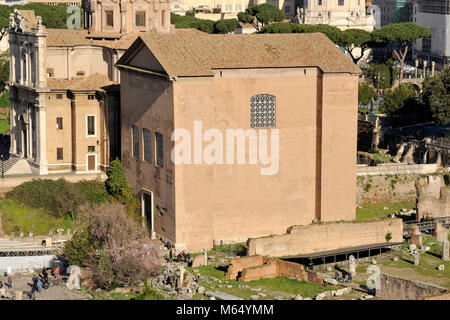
[330,281]
[198,261]
[18,295]
[416,239]
[440,232]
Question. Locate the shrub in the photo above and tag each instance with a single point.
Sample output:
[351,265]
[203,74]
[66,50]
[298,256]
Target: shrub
[113,245]
[149,294]
[39,193]
[388,236]
[94,191]
[59,197]
[117,184]
[365,94]
[78,249]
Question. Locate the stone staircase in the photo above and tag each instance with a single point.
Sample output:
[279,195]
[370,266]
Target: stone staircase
[16,166]
[8,164]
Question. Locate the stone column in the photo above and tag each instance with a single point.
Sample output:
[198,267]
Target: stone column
[425,63]
[416,236]
[433,68]
[440,232]
[41,80]
[123,16]
[352,265]
[417,68]
[98,18]
[29,77]
[12,67]
[41,141]
[29,129]
[445,249]
[22,66]
[12,117]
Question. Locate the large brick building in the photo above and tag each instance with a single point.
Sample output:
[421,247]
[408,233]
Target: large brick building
[175,82]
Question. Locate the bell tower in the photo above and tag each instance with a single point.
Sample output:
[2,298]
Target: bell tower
[126,16]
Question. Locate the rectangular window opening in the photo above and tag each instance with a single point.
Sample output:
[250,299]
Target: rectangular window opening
[91,125]
[59,123]
[159,150]
[109,18]
[140,19]
[135,132]
[147,145]
[59,153]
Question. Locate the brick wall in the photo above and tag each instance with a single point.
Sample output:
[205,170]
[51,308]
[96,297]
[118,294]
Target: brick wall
[258,267]
[268,270]
[238,265]
[324,237]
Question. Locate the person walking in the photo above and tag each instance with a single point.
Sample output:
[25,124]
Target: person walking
[10,283]
[39,286]
[56,272]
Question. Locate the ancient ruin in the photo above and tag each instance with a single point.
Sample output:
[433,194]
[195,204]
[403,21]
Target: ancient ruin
[257,267]
[415,235]
[432,198]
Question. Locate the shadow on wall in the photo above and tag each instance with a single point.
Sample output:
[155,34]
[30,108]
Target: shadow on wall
[5,143]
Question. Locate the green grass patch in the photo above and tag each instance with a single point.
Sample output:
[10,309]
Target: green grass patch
[303,288]
[19,218]
[4,125]
[427,267]
[270,287]
[375,211]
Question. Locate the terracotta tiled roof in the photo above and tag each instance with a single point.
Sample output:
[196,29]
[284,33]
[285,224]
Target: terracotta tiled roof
[92,82]
[188,31]
[69,38]
[30,17]
[198,55]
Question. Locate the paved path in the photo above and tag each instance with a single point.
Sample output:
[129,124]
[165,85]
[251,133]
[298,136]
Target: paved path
[59,292]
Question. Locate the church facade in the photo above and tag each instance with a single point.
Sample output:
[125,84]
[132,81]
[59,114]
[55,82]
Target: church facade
[65,89]
[344,14]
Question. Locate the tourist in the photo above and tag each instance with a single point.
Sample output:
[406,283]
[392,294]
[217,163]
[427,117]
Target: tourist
[170,254]
[44,273]
[56,273]
[349,277]
[336,276]
[39,285]
[10,283]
